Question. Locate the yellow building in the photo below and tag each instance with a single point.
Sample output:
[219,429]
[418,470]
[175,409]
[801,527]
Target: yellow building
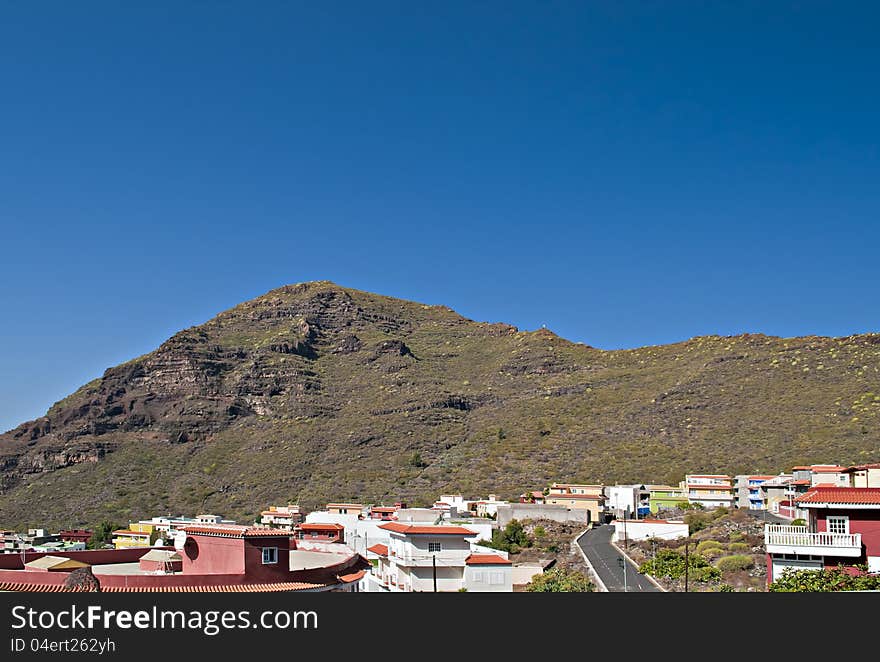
[138,534]
[579,497]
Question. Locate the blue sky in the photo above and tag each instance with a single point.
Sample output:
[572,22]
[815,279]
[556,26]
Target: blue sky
[626,173]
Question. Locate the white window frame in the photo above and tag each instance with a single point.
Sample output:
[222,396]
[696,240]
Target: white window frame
[434,546]
[837,518]
[274,555]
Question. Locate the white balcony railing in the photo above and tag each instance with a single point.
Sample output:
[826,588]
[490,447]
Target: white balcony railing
[783,539]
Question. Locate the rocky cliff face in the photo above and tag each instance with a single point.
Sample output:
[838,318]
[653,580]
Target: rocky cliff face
[314,392]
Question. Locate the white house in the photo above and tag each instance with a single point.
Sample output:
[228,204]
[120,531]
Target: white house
[489,507]
[488,573]
[282,517]
[422,557]
[710,490]
[628,500]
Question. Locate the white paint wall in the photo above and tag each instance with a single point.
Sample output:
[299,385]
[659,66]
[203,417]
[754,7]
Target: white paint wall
[643,530]
[488,578]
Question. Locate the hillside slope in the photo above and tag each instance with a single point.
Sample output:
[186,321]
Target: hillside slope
[314,392]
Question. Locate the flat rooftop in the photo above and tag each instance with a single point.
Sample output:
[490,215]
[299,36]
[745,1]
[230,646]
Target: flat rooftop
[299,560]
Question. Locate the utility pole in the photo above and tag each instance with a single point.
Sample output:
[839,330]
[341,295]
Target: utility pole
[686,543]
[434,565]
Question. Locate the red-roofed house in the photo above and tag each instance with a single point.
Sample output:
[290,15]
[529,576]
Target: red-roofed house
[320,532]
[488,573]
[833,474]
[843,528]
[282,517]
[534,496]
[710,490]
[384,513]
[863,475]
[579,497]
[76,535]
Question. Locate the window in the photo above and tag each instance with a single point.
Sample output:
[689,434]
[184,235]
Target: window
[478,577]
[433,546]
[838,524]
[270,555]
[496,578]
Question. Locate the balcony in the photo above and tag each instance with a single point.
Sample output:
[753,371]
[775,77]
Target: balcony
[782,539]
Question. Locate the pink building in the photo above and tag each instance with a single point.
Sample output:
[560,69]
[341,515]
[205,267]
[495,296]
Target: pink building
[227,558]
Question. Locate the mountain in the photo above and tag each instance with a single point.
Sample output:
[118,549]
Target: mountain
[315,392]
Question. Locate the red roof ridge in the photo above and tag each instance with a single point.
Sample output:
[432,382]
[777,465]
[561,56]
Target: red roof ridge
[235,531]
[846,495]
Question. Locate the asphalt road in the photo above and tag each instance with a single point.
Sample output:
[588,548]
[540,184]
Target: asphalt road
[596,544]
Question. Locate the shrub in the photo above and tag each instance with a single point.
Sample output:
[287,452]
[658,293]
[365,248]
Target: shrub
[799,522]
[669,563]
[737,536]
[738,547]
[726,588]
[734,563]
[705,545]
[559,580]
[705,574]
[823,581]
[713,553]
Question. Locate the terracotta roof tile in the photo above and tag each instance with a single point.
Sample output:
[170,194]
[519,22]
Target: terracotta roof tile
[353,577]
[487,559]
[315,526]
[381,550]
[234,531]
[848,495]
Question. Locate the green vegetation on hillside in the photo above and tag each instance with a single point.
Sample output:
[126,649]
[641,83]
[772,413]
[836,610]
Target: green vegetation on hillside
[316,392]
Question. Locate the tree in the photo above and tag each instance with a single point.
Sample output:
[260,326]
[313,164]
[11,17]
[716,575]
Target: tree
[511,538]
[558,580]
[103,534]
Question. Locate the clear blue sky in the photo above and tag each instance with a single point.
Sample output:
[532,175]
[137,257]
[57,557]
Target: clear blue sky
[626,173]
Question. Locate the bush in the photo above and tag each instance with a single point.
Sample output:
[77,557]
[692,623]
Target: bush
[559,580]
[669,563]
[705,545]
[736,536]
[738,547]
[799,522]
[823,581]
[713,553]
[734,563]
[726,588]
[705,574]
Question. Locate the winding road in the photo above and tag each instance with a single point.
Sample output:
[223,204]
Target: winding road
[605,560]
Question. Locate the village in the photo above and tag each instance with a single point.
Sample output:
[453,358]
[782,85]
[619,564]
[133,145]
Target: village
[812,517]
